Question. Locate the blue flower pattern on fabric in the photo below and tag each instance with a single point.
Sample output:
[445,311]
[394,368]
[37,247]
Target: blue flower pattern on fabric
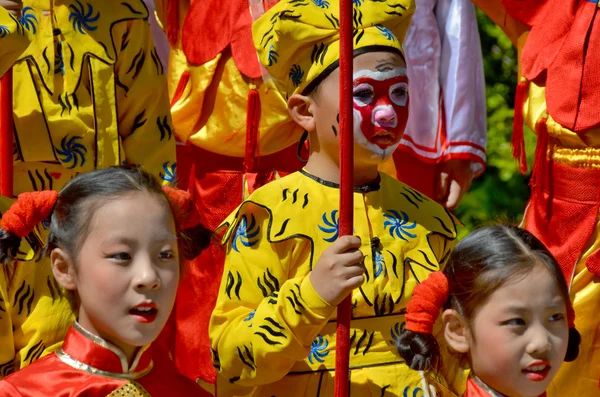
[379,264]
[246,233]
[250,317]
[71,151]
[321,3]
[318,350]
[28,19]
[4,31]
[81,19]
[170,172]
[331,226]
[46,223]
[385,32]
[399,225]
[415,392]
[296,75]
[357,3]
[273,55]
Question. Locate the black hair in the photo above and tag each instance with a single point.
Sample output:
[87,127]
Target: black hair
[481,263]
[78,201]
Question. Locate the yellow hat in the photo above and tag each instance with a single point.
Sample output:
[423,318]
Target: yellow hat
[298,40]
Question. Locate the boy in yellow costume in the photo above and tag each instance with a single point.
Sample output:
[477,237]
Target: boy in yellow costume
[89,92]
[273,328]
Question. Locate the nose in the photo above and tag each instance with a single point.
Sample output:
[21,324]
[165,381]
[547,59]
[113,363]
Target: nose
[146,276]
[540,342]
[385,116]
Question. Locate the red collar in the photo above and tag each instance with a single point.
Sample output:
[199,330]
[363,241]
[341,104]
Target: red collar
[476,388]
[90,353]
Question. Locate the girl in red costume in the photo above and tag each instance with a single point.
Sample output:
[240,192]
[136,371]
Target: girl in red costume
[113,246]
[505,306]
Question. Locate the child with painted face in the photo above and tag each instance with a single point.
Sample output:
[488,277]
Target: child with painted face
[286,270]
[506,309]
[113,246]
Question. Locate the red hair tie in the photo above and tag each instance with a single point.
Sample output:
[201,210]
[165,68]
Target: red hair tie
[428,299]
[182,205]
[28,211]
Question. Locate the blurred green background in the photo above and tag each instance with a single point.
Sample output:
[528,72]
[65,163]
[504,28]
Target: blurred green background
[501,192]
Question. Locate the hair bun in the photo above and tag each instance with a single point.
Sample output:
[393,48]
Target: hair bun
[573,345]
[420,351]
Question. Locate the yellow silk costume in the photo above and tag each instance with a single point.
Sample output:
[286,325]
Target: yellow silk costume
[13,40]
[271,332]
[89,92]
[209,103]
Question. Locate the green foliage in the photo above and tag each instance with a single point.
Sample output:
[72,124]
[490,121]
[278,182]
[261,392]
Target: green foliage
[501,192]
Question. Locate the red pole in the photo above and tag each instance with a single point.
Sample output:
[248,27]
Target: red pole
[6,135]
[344,311]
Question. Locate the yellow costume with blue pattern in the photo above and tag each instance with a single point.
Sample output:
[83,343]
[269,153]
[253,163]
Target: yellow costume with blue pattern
[89,92]
[13,40]
[272,332]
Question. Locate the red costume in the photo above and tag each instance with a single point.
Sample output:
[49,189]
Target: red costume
[558,97]
[87,365]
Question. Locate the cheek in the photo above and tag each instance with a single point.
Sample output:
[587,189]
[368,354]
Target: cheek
[366,125]
[402,112]
[495,350]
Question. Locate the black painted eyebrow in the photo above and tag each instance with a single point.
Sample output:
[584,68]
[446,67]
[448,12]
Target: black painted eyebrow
[384,65]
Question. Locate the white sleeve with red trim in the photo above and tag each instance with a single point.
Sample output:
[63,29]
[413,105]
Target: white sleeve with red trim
[445,70]
[463,82]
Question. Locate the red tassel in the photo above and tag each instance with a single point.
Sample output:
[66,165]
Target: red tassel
[173,22]
[185,77]
[252,120]
[518,141]
[541,169]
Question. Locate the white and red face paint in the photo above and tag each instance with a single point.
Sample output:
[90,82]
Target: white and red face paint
[380,109]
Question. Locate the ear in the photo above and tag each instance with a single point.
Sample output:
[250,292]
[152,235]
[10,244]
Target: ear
[63,269]
[300,108]
[456,332]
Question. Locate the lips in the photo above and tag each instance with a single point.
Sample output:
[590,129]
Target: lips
[383,139]
[537,371]
[144,312]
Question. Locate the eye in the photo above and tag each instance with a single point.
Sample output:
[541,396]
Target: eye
[399,94]
[120,256]
[557,317]
[167,255]
[514,322]
[363,94]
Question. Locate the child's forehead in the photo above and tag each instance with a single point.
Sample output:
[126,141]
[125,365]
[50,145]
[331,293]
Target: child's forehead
[538,288]
[378,60]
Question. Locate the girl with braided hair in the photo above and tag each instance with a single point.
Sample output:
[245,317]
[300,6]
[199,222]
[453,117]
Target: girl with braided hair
[114,245]
[505,309]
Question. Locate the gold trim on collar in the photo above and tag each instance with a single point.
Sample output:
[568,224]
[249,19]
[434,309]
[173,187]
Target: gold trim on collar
[486,388]
[70,361]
